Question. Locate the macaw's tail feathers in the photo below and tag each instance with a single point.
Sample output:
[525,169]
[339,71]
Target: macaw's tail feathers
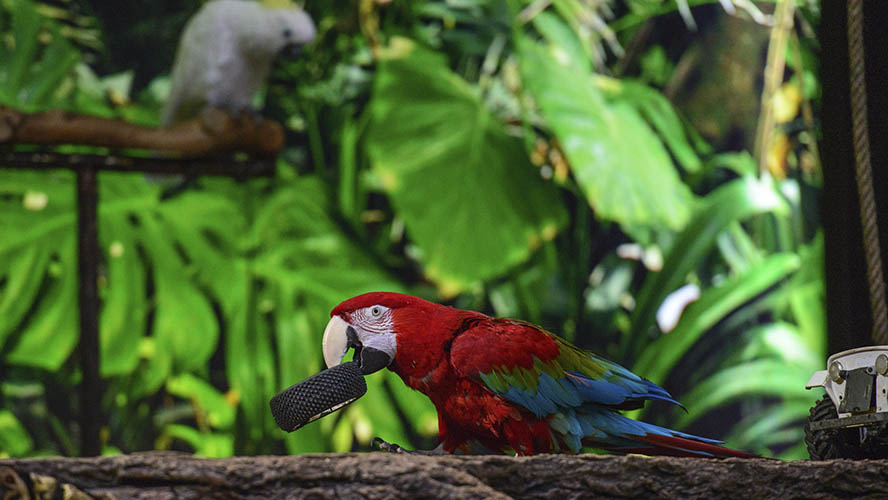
[682,447]
[615,432]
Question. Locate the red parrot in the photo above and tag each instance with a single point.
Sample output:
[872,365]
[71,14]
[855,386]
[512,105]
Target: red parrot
[504,384]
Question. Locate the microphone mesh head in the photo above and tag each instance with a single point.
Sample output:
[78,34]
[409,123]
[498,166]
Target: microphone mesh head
[318,395]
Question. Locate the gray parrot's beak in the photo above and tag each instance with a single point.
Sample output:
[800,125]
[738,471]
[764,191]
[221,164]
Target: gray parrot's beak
[339,336]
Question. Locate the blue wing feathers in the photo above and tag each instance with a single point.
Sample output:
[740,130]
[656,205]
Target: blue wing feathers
[575,389]
[615,390]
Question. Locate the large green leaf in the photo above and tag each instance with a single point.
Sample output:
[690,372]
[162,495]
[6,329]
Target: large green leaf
[124,309]
[155,366]
[620,164]
[471,201]
[565,46]
[661,355]
[732,202]
[563,40]
[183,238]
[807,296]
[14,439]
[218,410]
[19,269]
[52,332]
[184,319]
[658,111]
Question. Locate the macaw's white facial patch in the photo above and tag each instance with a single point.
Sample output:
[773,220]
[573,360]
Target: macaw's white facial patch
[373,320]
[370,330]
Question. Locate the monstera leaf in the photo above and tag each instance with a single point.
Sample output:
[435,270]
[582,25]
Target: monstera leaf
[471,201]
[138,232]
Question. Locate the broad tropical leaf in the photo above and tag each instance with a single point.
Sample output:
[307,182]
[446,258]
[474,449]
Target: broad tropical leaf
[620,164]
[470,199]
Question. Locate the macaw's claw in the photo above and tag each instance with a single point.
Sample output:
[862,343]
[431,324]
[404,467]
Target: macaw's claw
[386,446]
[394,448]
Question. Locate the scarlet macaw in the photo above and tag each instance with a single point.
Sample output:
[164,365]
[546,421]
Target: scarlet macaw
[505,384]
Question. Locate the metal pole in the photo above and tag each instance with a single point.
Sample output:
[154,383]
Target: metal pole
[88,257]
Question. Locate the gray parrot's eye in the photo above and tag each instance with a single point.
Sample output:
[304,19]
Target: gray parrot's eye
[376,311]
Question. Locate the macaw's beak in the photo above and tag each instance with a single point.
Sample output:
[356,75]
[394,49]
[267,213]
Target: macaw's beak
[339,336]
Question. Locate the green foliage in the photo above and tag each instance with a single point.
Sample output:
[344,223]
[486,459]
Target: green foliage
[454,150]
[33,72]
[660,356]
[14,439]
[733,202]
[621,166]
[429,129]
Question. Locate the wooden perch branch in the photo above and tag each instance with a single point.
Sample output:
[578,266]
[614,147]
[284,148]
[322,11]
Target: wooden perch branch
[379,475]
[215,131]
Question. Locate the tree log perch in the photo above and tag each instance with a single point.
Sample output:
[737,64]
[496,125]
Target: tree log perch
[215,131]
[169,475]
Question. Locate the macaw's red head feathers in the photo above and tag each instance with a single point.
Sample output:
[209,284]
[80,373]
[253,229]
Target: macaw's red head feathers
[369,324]
[380,324]
[390,300]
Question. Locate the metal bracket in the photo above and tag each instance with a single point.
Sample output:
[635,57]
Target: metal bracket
[858,390]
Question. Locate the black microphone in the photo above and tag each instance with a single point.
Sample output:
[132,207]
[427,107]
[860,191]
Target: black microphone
[318,395]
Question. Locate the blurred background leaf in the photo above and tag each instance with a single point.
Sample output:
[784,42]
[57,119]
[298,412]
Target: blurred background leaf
[430,130]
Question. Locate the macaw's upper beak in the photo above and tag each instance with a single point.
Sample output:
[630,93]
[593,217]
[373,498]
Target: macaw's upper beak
[339,336]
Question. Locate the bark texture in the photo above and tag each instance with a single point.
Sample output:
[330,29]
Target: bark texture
[384,476]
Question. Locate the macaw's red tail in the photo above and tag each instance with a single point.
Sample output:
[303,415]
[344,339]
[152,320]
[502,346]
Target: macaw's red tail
[682,447]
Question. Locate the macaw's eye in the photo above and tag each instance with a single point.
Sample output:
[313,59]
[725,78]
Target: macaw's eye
[376,311]
[287,33]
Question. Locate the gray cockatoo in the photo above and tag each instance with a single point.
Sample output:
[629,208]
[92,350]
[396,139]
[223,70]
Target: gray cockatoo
[226,52]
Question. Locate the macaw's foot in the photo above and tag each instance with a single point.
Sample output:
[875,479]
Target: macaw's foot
[386,446]
[382,445]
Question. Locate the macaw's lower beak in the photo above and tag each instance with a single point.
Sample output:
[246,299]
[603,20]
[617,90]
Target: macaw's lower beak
[339,336]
